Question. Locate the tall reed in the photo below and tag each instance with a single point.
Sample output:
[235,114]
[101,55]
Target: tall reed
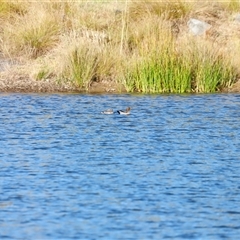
[156,67]
[82,67]
[179,69]
[211,70]
[160,72]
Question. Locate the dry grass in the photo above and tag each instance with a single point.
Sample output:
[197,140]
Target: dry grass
[83,42]
[31,34]
[171,9]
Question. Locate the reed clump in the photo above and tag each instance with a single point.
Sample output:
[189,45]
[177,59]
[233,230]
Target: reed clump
[31,34]
[212,71]
[143,45]
[160,74]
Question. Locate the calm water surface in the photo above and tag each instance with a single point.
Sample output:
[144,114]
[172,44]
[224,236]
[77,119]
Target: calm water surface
[170,170]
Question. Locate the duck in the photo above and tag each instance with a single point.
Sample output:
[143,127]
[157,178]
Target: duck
[124,112]
[108,111]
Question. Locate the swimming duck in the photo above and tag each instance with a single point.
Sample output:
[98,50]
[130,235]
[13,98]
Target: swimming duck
[126,112]
[108,111]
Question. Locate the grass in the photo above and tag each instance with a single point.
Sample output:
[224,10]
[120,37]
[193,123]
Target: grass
[212,73]
[160,73]
[168,9]
[31,34]
[231,5]
[83,65]
[143,45]
[164,74]
[9,8]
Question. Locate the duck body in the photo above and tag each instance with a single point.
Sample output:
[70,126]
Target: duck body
[108,111]
[124,112]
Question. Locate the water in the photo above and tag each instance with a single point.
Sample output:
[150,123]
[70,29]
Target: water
[170,170]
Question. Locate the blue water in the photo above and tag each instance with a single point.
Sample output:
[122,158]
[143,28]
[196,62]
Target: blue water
[169,170]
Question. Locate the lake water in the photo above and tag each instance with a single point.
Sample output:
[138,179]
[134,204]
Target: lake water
[169,170]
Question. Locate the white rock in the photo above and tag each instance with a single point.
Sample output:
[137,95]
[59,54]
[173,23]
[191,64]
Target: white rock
[237,17]
[198,27]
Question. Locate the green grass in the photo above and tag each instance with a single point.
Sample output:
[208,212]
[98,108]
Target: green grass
[168,72]
[212,75]
[42,74]
[82,67]
[161,72]
[211,71]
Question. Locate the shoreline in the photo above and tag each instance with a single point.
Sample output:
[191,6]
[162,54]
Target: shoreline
[49,87]
[13,80]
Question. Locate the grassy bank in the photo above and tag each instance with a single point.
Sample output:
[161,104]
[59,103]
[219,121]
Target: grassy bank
[139,46]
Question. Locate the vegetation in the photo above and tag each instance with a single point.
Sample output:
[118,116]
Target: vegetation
[143,45]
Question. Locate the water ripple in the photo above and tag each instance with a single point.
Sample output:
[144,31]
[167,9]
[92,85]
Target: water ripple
[170,169]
